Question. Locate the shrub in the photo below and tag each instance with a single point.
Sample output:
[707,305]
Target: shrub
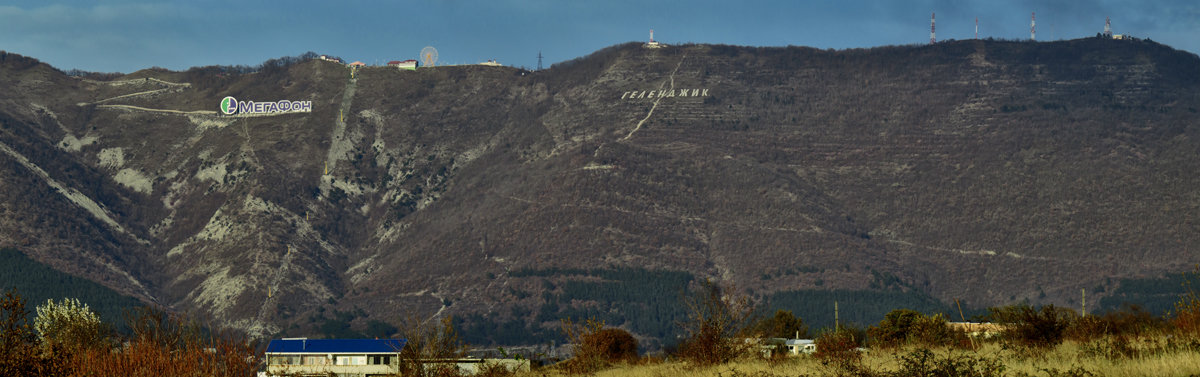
[1187,311]
[1029,327]
[18,348]
[923,362]
[904,327]
[69,324]
[1111,348]
[596,347]
[717,326]
[1129,321]
[427,341]
[839,348]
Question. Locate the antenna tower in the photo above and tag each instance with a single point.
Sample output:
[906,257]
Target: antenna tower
[976,27]
[539,60]
[651,36]
[932,28]
[1107,27]
[1032,26]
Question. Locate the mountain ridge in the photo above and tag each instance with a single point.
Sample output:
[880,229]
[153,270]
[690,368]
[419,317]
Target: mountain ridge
[987,171]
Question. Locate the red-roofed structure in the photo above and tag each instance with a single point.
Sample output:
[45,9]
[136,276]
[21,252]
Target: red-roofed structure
[403,64]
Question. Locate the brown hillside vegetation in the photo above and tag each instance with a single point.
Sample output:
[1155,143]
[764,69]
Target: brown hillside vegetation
[905,343]
[988,171]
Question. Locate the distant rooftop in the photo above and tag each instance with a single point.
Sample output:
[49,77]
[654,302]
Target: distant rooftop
[301,345]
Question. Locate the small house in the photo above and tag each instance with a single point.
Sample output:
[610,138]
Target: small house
[797,347]
[358,64]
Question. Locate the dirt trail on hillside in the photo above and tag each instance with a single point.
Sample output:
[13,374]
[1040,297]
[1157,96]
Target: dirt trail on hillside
[138,81]
[656,100]
[139,108]
[339,144]
[273,285]
[138,94]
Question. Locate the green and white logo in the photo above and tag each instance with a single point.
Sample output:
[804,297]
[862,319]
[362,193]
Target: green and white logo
[229,105]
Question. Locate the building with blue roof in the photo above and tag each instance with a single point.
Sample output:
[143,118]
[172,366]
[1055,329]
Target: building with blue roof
[333,357]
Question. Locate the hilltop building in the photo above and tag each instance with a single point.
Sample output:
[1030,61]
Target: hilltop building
[409,64]
[357,64]
[329,58]
[652,43]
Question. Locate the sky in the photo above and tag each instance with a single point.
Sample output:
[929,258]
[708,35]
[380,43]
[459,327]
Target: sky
[128,35]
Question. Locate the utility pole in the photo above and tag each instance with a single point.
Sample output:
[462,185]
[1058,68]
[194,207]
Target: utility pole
[837,323]
[1083,297]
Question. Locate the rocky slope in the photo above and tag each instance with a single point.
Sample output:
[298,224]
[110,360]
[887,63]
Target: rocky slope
[985,171]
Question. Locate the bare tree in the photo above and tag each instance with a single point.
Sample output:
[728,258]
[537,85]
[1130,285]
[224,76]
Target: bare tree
[718,325]
[431,347]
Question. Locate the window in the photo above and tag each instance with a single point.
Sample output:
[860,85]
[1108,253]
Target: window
[284,360]
[380,360]
[351,360]
[316,360]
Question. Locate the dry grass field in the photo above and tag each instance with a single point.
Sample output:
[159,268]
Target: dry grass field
[1158,357]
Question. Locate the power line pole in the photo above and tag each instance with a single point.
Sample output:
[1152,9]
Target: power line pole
[837,324]
[1083,297]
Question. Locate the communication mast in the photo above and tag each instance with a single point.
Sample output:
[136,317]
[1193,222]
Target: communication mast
[976,27]
[1032,26]
[539,60]
[932,28]
[652,43]
[1107,28]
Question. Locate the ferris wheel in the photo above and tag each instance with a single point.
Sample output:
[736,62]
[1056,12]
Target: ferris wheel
[429,56]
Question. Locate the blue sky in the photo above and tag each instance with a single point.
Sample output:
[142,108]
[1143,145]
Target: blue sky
[127,35]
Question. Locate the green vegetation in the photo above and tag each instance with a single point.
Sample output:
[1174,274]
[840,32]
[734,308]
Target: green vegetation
[1156,295]
[644,301]
[783,324]
[904,327]
[38,282]
[816,307]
